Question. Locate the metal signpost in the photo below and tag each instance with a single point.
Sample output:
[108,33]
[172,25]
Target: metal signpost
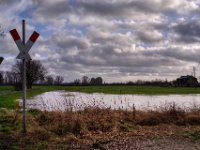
[1,59]
[24,48]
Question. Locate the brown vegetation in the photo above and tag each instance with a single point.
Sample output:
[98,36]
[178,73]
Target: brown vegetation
[93,125]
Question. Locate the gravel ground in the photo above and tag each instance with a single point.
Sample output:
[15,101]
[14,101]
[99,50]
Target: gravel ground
[167,143]
[131,143]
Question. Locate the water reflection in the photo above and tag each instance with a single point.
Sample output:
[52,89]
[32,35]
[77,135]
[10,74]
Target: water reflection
[62,101]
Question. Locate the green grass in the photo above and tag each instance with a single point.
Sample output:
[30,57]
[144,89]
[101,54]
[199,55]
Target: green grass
[148,90]
[8,96]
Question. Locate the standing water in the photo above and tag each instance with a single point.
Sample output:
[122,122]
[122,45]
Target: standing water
[61,100]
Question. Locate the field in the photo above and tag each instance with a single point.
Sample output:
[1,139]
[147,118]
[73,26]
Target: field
[95,128]
[8,96]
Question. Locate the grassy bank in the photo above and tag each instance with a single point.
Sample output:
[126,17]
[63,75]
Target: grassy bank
[8,96]
[94,127]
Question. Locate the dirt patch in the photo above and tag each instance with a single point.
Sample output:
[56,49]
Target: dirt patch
[141,143]
[166,143]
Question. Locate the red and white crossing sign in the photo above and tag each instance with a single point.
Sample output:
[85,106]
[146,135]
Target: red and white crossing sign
[1,59]
[24,49]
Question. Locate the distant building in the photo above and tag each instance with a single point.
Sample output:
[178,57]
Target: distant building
[186,81]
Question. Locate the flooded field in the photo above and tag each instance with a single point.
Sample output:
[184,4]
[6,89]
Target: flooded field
[61,100]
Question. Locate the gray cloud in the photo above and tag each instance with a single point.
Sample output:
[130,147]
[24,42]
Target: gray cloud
[150,37]
[177,54]
[52,8]
[114,39]
[121,8]
[9,2]
[188,32]
[71,42]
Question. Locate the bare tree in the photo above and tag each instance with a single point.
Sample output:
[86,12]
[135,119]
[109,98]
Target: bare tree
[77,82]
[99,80]
[85,80]
[93,81]
[35,71]
[10,78]
[49,80]
[59,80]
[96,81]
[1,78]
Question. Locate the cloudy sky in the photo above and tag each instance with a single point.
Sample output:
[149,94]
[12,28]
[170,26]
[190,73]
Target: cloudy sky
[119,40]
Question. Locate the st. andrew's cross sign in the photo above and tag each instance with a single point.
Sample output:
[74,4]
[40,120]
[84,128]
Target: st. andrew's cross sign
[24,49]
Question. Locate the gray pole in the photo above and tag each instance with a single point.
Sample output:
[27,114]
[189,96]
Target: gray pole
[24,81]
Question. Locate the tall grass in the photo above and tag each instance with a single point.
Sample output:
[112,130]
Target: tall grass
[46,130]
[107,120]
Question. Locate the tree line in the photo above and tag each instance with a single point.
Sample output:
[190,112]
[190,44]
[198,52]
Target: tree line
[99,81]
[88,81]
[36,73]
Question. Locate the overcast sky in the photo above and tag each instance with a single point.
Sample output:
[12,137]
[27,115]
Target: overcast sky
[119,40]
